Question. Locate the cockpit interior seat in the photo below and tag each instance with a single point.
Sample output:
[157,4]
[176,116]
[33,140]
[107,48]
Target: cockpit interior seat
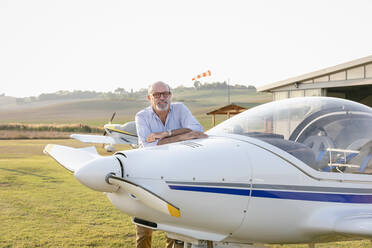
[319,145]
[363,159]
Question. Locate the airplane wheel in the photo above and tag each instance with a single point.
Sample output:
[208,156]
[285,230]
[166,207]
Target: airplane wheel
[110,148]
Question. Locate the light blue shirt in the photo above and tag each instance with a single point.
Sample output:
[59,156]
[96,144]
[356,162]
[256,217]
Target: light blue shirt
[179,116]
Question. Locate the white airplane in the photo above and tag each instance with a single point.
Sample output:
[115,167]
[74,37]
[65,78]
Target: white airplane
[290,171]
[117,134]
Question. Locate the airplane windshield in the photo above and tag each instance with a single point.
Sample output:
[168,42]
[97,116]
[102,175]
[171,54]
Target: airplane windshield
[328,134]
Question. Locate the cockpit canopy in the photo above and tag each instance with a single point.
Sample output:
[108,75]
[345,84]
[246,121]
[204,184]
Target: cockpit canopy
[328,134]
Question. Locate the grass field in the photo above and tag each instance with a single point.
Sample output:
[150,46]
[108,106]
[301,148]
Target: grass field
[42,205]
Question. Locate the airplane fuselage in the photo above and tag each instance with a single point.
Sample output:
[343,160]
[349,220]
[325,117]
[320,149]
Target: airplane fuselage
[239,190]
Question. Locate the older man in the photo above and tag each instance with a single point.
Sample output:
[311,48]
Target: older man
[161,123]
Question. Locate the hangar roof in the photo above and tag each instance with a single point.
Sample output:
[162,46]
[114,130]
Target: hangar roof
[318,74]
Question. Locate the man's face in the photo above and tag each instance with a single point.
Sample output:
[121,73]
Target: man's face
[160,97]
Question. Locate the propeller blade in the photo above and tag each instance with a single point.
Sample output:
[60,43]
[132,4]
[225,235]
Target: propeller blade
[112,118]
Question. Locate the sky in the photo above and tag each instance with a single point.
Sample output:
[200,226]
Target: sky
[101,45]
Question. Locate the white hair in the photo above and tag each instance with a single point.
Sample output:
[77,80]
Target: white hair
[149,90]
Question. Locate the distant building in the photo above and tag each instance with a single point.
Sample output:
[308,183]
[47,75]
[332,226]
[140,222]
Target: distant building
[351,80]
[228,110]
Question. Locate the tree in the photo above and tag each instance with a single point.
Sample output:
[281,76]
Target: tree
[197,84]
[120,91]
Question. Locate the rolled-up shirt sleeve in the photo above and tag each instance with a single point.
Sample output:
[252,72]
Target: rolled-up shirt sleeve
[189,121]
[143,131]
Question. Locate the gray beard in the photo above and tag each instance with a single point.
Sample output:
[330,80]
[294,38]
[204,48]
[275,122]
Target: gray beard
[159,108]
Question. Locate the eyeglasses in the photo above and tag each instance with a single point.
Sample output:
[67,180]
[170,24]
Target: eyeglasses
[159,94]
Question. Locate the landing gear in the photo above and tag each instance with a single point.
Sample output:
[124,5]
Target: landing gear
[110,148]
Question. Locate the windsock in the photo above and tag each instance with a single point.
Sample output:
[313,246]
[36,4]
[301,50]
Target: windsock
[204,74]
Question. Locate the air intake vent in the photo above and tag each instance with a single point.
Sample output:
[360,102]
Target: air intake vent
[191,144]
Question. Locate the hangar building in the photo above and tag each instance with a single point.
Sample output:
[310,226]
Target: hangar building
[351,80]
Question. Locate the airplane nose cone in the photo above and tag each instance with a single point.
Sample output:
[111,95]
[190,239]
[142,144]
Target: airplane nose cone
[94,173]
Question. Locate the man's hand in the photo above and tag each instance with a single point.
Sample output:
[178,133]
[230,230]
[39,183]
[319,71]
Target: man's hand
[154,136]
[195,135]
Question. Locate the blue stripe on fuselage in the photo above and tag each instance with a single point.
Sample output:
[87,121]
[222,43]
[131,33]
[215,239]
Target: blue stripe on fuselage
[312,196]
[285,195]
[229,191]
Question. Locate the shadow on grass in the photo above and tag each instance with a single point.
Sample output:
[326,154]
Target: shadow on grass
[28,173]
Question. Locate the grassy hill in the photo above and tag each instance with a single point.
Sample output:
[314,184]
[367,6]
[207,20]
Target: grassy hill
[7,102]
[97,112]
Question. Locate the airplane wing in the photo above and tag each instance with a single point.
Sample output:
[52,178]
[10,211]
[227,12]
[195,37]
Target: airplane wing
[100,139]
[86,138]
[71,158]
[147,197]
